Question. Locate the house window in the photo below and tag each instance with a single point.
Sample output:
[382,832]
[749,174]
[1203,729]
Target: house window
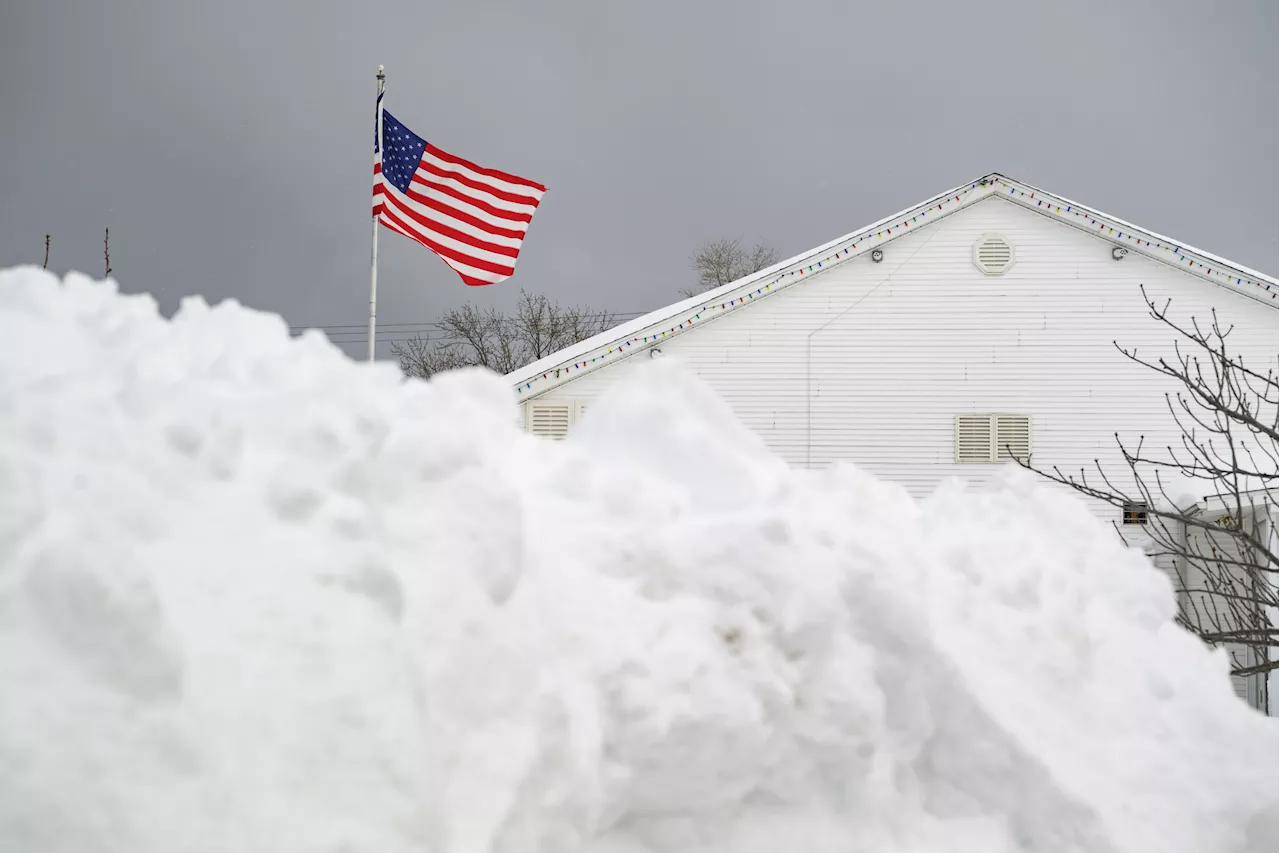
[984,439]
[1135,513]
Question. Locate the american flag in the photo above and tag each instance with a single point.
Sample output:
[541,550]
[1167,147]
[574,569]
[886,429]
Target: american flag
[474,218]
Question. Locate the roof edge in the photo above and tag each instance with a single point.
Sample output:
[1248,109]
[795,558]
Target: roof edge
[582,356]
[1185,247]
[657,326]
[1250,283]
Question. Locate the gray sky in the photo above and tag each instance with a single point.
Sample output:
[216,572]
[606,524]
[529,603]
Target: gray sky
[228,144]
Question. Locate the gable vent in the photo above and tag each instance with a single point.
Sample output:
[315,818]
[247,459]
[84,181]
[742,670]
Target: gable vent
[549,420]
[993,254]
[984,439]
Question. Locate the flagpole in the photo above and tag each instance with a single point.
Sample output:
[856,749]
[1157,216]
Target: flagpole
[373,263]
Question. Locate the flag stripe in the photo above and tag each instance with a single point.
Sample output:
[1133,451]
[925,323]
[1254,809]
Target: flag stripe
[470,276]
[506,177]
[463,221]
[462,268]
[475,217]
[482,183]
[479,189]
[441,248]
[441,226]
[449,226]
[460,217]
[478,204]
[395,201]
[387,223]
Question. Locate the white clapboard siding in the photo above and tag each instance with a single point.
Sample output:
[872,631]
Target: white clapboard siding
[872,363]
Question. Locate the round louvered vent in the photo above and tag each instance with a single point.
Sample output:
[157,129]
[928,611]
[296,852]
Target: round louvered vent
[993,254]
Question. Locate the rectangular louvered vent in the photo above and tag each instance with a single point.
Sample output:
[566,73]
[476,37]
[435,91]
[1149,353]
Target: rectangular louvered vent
[973,438]
[992,438]
[549,420]
[1013,437]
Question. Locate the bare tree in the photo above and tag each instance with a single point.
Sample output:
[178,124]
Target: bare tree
[1220,544]
[46,252]
[485,337]
[106,251]
[722,261]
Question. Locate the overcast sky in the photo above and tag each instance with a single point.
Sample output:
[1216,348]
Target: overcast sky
[228,144]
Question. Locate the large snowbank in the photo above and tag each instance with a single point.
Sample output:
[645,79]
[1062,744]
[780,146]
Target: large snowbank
[256,597]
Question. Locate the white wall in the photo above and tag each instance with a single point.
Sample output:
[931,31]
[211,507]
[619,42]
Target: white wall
[870,362]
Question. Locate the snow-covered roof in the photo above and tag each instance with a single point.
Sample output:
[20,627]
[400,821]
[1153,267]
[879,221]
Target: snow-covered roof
[657,326]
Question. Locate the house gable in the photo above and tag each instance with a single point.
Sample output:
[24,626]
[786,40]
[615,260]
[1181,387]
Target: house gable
[877,363]
[675,320]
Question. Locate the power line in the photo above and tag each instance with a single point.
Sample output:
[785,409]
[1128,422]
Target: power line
[364,326]
[422,325]
[362,341]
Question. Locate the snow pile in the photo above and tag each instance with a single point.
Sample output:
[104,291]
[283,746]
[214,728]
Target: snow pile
[256,597]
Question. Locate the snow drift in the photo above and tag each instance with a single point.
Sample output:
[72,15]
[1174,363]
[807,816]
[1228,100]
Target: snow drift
[256,597]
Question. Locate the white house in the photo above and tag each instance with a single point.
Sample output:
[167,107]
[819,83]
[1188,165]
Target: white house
[919,347]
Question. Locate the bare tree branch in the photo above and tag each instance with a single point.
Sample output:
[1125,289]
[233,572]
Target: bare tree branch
[1219,547]
[46,252]
[474,337]
[106,251]
[721,261]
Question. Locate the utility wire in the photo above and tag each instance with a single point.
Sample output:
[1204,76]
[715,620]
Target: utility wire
[421,326]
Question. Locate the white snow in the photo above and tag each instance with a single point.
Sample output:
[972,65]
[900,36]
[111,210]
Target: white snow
[257,597]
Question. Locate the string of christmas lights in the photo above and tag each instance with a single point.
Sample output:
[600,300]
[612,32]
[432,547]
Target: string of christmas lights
[1114,231]
[814,264]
